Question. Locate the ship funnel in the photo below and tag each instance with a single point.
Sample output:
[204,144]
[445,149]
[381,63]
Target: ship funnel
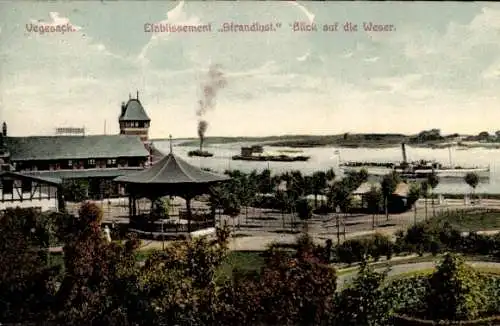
[403,149]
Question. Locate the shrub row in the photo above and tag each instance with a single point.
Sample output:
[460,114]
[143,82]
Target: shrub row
[402,320]
[421,238]
[427,237]
[407,297]
[356,250]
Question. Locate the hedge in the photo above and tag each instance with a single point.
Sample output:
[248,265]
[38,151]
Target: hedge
[402,320]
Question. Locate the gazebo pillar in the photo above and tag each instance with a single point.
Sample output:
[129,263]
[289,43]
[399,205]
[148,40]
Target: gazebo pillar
[188,209]
[61,203]
[130,206]
[134,206]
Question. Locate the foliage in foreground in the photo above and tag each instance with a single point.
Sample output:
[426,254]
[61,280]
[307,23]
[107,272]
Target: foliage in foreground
[455,291]
[102,283]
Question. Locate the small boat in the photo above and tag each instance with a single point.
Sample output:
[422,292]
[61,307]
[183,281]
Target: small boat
[200,153]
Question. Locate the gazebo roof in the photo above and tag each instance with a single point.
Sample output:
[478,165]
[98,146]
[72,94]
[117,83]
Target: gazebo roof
[172,170]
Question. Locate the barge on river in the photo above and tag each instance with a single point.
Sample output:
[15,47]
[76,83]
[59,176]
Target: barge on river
[256,153]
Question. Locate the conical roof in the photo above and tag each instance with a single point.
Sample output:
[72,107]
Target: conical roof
[170,170]
[134,111]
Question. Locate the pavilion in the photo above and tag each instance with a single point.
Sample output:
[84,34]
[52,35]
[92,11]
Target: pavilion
[170,176]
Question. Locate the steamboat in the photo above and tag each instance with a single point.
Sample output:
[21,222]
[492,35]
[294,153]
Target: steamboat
[415,170]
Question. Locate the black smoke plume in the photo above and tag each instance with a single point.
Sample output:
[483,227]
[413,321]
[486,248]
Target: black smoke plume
[214,82]
[202,128]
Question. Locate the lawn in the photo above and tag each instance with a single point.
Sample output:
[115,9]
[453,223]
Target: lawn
[471,220]
[244,261]
[429,271]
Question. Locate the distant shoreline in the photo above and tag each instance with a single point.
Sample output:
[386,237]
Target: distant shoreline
[342,141]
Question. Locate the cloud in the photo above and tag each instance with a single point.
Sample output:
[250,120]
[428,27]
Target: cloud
[308,14]
[447,65]
[56,20]
[176,16]
[304,57]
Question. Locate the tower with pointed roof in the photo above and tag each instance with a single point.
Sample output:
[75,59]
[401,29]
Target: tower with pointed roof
[133,119]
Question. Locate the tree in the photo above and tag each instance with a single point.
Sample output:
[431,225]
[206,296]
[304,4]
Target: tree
[455,291]
[339,196]
[291,290]
[375,200]
[389,184]
[319,183]
[433,181]
[232,206]
[75,190]
[304,211]
[264,182]
[363,302]
[330,175]
[248,192]
[160,208]
[98,284]
[179,282]
[363,175]
[26,282]
[413,196]
[483,135]
[424,191]
[472,179]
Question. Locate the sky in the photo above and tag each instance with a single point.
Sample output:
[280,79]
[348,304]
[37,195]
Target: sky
[438,68]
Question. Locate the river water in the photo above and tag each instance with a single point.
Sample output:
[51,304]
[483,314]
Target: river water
[323,158]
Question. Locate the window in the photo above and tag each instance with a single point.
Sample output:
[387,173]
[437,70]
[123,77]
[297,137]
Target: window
[113,161]
[26,186]
[91,161]
[70,163]
[7,186]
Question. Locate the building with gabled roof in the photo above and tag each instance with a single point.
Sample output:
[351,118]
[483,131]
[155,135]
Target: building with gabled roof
[95,158]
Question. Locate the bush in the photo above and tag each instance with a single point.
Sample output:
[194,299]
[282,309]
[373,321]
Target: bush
[454,292]
[437,238]
[356,250]
[290,291]
[402,320]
